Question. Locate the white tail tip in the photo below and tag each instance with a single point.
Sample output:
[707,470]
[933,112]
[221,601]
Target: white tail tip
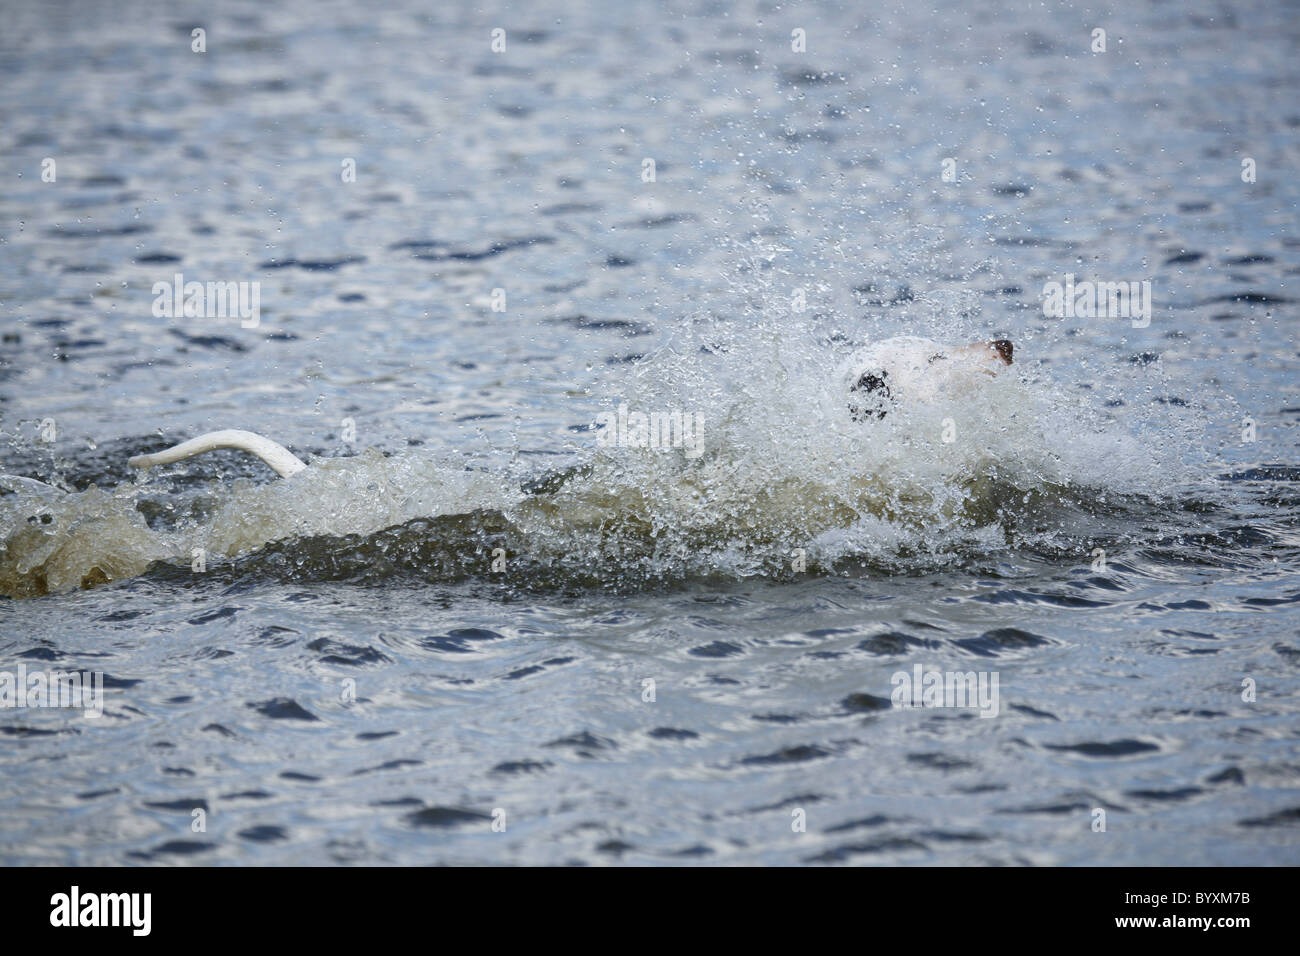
[284,462]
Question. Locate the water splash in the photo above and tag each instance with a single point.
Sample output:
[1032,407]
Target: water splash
[786,480]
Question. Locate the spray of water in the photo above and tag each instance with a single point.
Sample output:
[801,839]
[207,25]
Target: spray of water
[780,476]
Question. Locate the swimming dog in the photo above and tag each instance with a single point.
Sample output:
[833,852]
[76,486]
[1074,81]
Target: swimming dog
[876,378]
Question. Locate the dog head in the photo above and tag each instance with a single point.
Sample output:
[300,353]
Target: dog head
[896,369]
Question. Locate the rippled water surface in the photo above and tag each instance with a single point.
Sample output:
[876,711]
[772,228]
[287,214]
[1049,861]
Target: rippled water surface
[468,609]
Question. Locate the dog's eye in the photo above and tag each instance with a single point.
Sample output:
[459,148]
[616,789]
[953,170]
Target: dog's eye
[935,357]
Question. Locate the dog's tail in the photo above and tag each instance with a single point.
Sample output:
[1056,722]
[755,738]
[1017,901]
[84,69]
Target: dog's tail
[285,462]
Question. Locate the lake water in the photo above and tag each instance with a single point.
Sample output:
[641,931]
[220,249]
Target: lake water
[472,631]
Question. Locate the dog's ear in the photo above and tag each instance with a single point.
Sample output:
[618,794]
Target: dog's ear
[1004,348]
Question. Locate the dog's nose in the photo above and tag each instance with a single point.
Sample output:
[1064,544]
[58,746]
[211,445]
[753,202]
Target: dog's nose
[1004,348]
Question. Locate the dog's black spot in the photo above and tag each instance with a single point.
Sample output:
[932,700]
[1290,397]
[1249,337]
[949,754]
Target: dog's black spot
[876,389]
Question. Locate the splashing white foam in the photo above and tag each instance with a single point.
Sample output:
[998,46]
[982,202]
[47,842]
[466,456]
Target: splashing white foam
[784,467]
